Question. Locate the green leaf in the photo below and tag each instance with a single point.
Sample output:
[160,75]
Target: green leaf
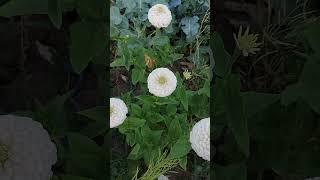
[53,114]
[221,56]
[235,112]
[137,75]
[80,144]
[165,101]
[256,102]
[94,129]
[190,26]
[154,117]
[87,41]
[150,154]
[307,88]
[310,80]
[118,62]
[135,153]
[98,113]
[92,9]
[135,110]
[182,95]
[205,89]
[174,57]
[312,35]
[291,94]
[23,7]
[55,12]
[84,151]
[131,123]
[145,99]
[115,15]
[129,5]
[183,162]
[231,172]
[151,137]
[160,40]
[180,149]
[171,109]
[199,105]
[174,130]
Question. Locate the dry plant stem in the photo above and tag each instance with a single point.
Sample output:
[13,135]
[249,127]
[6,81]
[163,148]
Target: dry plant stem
[161,166]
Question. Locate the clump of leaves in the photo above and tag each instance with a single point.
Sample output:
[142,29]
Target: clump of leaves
[251,124]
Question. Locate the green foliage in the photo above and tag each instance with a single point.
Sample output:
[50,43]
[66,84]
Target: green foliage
[262,131]
[55,12]
[84,151]
[235,171]
[190,26]
[87,42]
[154,124]
[157,124]
[21,7]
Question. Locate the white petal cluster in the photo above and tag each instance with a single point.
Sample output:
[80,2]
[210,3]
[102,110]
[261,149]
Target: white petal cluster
[118,112]
[26,144]
[159,16]
[163,177]
[200,138]
[162,82]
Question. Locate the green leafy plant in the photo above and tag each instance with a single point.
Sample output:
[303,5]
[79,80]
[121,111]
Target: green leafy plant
[277,130]
[161,124]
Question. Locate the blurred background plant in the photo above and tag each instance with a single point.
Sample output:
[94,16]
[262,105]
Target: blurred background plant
[265,104]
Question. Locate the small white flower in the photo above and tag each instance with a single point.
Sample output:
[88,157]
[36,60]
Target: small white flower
[118,112]
[162,82]
[162,177]
[200,138]
[186,74]
[159,16]
[26,150]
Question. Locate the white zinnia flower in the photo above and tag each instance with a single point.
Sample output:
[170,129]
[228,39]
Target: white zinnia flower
[200,138]
[118,112]
[162,177]
[26,151]
[159,16]
[162,82]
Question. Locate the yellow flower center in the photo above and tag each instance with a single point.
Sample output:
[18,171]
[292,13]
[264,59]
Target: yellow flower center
[162,80]
[187,75]
[160,10]
[4,154]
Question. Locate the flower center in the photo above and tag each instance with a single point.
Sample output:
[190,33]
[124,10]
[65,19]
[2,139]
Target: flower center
[160,10]
[162,80]
[4,154]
